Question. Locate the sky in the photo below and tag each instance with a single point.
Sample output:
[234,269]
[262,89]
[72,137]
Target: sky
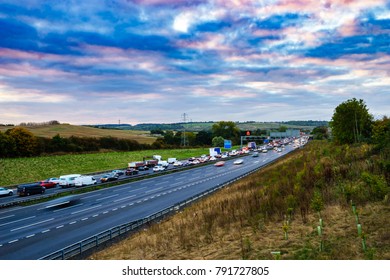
[151,61]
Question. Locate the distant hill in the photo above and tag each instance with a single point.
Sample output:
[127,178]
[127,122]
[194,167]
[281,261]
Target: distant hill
[67,130]
[198,126]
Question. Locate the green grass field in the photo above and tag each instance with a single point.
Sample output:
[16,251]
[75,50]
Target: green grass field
[23,170]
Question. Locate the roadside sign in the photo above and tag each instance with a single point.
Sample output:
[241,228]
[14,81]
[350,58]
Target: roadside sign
[227,144]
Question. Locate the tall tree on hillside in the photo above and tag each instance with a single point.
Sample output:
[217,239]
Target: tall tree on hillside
[351,122]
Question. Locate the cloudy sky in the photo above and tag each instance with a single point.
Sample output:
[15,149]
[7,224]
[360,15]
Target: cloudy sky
[142,61]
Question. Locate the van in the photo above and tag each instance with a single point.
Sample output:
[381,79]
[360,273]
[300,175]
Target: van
[68,180]
[84,181]
[29,189]
[171,160]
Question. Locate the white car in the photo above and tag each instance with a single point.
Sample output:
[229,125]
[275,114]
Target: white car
[54,180]
[158,168]
[178,163]
[4,191]
[238,161]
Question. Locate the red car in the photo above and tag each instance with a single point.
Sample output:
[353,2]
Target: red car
[219,164]
[47,184]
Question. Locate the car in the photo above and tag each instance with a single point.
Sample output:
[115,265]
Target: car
[143,168]
[158,168]
[108,178]
[54,180]
[238,161]
[62,202]
[48,184]
[4,192]
[131,171]
[178,163]
[219,163]
[29,189]
[117,172]
[255,154]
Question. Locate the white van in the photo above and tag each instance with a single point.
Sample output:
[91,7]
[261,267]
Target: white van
[171,160]
[84,181]
[68,180]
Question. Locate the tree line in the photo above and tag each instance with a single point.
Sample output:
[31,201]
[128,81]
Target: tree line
[19,142]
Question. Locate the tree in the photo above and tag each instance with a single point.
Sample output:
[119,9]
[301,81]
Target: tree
[203,138]
[351,122]
[381,132]
[320,133]
[218,141]
[226,130]
[25,142]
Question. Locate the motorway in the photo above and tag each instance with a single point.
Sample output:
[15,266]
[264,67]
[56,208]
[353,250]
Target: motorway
[32,232]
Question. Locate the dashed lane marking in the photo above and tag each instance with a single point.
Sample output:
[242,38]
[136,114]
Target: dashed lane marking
[96,206]
[107,197]
[17,221]
[30,225]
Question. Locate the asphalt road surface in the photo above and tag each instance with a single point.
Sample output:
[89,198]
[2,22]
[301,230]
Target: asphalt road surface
[35,231]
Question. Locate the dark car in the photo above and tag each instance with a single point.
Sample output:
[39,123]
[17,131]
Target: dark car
[131,171]
[29,189]
[48,184]
[108,178]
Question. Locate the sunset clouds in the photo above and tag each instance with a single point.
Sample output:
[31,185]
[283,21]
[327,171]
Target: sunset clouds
[87,62]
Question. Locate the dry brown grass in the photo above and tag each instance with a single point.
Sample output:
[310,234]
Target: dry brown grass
[245,220]
[193,234]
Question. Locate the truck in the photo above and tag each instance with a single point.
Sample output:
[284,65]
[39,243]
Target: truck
[172,160]
[136,164]
[84,181]
[252,145]
[163,163]
[157,157]
[68,180]
[215,151]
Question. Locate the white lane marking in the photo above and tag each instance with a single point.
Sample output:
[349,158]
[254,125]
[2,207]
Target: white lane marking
[72,223]
[114,209]
[47,230]
[89,196]
[7,217]
[107,197]
[154,190]
[30,225]
[61,226]
[13,241]
[84,219]
[94,216]
[137,189]
[67,208]
[34,224]
[124,198]
[17,221]
[31,235]
[96,206]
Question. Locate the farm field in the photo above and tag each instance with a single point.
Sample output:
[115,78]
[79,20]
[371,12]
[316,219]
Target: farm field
[24,170]
[67,130]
